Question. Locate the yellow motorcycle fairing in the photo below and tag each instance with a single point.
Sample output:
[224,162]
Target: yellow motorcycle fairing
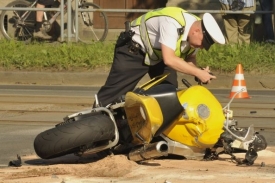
[153,82]
[144,117]
[202,122]
[145,122]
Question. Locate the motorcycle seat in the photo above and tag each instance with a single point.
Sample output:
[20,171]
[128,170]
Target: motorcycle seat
[167,98]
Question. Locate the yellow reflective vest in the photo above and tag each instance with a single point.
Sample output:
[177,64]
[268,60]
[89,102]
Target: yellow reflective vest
[154,56]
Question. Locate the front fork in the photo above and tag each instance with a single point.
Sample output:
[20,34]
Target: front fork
[224,146]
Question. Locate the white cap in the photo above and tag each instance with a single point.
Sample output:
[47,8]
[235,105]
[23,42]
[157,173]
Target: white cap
[211,31]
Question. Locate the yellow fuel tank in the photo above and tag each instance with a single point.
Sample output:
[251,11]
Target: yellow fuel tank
[202,122]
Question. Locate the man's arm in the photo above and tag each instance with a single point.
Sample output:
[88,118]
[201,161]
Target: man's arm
[191,59]
[180,65]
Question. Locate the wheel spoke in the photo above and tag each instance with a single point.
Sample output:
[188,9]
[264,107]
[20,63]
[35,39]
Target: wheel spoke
[95,24]
[13,25]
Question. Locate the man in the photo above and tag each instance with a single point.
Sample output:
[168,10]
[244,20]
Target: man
[38,32]
[238,26]
[267,5]
[170,37]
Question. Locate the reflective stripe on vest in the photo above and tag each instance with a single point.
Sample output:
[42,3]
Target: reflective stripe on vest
[151,58]
[154,56]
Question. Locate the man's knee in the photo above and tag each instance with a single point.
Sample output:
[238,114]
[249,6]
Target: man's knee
[46,2]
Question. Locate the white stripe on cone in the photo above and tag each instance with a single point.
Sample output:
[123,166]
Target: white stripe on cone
[239,77]
[238,88]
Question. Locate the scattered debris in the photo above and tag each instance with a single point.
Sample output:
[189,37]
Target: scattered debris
[16,163]
[54,176]
[265,86]
[252,112]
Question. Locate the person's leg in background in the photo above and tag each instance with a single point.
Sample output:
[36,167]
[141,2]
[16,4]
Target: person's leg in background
[230,25]
[267,5]
[245,26]
[38,32]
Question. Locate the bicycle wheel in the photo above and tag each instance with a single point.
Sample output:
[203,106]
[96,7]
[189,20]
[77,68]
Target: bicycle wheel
[13,26]
[93,26]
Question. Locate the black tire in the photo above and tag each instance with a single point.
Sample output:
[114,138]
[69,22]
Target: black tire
[91,31]
[10,26]
[72,136]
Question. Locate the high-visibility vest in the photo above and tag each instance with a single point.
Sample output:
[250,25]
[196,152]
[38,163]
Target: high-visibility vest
[154,56]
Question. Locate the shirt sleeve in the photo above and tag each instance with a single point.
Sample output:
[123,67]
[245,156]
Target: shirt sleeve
[168,34]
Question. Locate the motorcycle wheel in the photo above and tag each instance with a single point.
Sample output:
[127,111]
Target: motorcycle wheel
[71,137]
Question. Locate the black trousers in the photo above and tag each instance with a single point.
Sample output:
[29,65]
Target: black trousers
[126,71]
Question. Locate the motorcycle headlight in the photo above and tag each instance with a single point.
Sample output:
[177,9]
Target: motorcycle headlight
[203,111]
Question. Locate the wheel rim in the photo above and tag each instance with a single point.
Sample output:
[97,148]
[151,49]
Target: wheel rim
[11,26]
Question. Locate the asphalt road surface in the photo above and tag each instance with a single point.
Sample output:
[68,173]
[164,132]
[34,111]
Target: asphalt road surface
[28,110]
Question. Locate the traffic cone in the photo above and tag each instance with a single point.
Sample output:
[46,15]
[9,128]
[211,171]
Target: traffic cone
[239,84]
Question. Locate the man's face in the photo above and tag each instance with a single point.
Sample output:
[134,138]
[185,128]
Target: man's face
[195,38]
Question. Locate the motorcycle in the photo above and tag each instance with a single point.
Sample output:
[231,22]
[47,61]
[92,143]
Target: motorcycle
[154,120]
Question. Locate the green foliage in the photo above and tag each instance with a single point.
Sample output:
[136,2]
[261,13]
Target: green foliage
[255,58]
[54,56]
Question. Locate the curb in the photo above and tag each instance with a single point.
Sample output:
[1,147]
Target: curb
[98,78]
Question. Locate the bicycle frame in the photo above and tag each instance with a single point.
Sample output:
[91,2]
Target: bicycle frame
[54,17]
[27,13]
[22,24]
[56,14]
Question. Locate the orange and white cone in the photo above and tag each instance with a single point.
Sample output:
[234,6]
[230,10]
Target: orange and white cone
[239,84]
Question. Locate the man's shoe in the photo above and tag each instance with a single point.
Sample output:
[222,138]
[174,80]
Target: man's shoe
[42,35]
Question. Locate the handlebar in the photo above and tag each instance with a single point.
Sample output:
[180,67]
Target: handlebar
[186,83]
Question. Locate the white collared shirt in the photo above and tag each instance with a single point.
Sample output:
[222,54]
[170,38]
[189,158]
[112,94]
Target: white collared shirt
[163,30]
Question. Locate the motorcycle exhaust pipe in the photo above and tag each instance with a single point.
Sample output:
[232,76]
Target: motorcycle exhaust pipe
[149,151]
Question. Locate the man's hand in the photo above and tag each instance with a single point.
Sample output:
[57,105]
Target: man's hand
[205,76]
